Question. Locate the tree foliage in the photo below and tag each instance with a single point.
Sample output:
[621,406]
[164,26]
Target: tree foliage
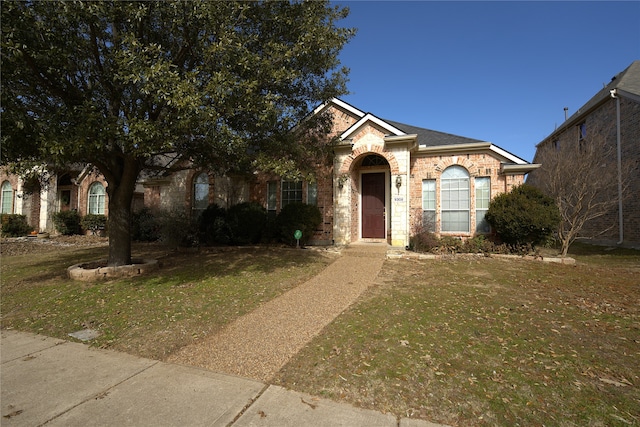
[523,216]
[143,86]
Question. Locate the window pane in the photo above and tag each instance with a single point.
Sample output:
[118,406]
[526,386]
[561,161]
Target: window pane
[454,195]
[201,192]
[483,197]
[96,199]
[455,221]
[272,187]
[429,194]
[429,220]
[7,197]
[312,193]
[291,192]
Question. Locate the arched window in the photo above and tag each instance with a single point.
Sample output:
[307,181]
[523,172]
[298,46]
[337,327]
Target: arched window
[96,199]
[454,193]
[200,194]
[7,198]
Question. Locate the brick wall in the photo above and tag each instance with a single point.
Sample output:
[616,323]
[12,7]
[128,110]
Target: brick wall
[602,122]
[477,165]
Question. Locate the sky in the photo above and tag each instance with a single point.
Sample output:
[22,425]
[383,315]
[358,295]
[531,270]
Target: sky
[499,71]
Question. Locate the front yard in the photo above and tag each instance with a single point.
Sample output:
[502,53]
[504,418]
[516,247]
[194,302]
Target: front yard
[463,341]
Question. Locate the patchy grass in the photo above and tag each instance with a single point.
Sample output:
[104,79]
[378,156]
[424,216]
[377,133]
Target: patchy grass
[472,341]
[465,341]
[193,294]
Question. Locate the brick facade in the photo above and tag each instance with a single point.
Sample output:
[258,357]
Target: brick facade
[599,117]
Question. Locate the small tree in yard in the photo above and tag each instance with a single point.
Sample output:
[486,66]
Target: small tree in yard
[156,86]
[582,179]
[523,216]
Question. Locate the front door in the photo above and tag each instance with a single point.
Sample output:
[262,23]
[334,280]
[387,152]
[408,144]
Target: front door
[373,202]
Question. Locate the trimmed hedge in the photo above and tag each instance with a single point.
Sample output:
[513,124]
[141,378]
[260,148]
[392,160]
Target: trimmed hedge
[298,216]
[15,225]
[67,222]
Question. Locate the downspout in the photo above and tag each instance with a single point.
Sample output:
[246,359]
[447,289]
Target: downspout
[614,94]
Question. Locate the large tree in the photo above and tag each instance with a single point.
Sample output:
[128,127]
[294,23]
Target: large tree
[124,86]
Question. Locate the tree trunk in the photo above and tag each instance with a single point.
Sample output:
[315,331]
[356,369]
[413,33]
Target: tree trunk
[119,220]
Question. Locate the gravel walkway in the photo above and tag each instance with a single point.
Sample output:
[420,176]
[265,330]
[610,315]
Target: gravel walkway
[260,343]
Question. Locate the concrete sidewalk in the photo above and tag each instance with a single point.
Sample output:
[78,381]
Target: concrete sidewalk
[48,381]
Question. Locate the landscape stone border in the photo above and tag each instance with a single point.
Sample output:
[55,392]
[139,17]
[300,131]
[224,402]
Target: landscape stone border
[137,268]
[399,254]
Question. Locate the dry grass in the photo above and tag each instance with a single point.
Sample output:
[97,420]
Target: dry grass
[466,341]
[488,342]
[193,295]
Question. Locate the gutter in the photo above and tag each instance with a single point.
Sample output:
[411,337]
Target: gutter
[512,169]
[614,95]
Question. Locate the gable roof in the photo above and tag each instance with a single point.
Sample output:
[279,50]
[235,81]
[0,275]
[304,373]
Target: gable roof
[433,138]
[626,83]
[427,139]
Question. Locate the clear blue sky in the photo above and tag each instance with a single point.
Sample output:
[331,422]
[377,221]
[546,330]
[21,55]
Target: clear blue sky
[495,71]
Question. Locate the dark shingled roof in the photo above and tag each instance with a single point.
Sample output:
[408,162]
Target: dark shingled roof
[432,138]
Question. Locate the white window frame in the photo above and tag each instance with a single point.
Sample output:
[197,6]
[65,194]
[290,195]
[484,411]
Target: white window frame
[429,204]
[7,198]
[199,189]
[96,199]
[454,206]
[482,200]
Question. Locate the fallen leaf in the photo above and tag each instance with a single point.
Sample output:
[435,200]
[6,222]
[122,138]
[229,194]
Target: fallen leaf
[613,382]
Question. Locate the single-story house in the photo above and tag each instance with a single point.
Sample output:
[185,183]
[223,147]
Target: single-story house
[387,180]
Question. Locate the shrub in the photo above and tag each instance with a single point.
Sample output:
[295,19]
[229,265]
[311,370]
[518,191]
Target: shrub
[247,222]
[94,223]
[423,241]
[144,226]
[67,222]
[213,227]
[450,245]
[523,216]
[14,225]
[175,228]
[297,216]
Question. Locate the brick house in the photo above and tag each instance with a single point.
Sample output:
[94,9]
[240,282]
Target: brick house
[613,114]
[386,181]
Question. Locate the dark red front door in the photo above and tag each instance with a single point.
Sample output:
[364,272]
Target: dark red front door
[373,199]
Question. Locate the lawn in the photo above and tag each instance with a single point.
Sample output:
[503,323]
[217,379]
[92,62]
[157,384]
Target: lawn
[193,294]
[462,341]
[482,341]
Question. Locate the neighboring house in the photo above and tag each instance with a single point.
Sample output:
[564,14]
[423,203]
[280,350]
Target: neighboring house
[386,182]
[613,114]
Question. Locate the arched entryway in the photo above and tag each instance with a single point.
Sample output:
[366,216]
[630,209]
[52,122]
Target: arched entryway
[374,196]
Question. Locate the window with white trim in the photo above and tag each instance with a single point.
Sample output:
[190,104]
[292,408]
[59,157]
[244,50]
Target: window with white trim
[429,204]
[454,195]
[291,193]
[96,199]
[200,194]
[7,198]
[483,197]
